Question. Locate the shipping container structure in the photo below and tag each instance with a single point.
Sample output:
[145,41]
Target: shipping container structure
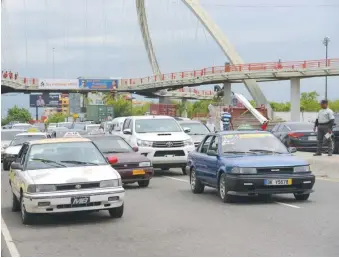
[163,109]
[99,113]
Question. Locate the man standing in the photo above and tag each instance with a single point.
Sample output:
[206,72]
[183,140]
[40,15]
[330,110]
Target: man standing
[40,102]
[226,120]
[324,123]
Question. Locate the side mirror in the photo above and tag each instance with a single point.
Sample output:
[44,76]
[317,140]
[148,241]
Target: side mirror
[17,166]
[112,160]
[187,130]
[211,153]
[127,131]
[136,149]
[292,149]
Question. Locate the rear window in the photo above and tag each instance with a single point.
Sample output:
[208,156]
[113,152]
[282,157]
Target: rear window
[301,126]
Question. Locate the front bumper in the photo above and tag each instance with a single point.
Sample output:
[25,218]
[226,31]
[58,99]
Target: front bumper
[247,185]
[59,202]
[167,157]
[127,175]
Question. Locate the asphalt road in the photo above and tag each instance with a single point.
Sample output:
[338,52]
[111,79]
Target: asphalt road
[166,219]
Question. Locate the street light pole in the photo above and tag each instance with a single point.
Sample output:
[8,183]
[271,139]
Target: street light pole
[326,41]
[53,64]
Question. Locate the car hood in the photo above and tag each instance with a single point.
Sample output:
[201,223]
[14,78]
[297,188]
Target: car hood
[130,157]
[287,160]
[166,136]
[14,150]
[197,138]
[71,175]
[5,143]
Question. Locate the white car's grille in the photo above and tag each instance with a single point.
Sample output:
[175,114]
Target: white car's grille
[168,144]
[77,186]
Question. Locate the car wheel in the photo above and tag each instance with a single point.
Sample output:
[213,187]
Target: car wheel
[223,189]
[15,203]
[26,218]
[116,212]
[196,186]
[6,165]
[184,170]
[301,197]
[143,183]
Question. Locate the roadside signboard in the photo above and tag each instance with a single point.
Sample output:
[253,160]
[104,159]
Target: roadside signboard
[99,84]
[44,99]
[58,84]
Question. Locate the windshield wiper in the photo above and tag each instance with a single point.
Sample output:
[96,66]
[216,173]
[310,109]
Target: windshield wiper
[49,161]
[198,133]
[108,152]
[79,162]
[266,151]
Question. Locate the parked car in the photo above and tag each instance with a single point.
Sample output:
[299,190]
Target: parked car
[64,175]
[132,166]
[21,126]
[196,129]
[248,164]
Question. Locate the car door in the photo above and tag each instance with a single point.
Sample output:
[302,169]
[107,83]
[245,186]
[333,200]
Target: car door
[212,162]
[16,174]
[201,159]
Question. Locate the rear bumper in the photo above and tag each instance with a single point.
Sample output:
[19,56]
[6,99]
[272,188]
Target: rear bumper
[247,185]
[128,177]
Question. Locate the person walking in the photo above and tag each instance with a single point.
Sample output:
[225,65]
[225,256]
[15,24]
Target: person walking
[324,123]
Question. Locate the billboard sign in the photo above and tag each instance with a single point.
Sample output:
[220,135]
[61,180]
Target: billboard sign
[44,99]
[58,84]
[99,84]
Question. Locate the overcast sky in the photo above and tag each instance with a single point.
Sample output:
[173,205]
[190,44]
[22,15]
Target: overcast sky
[102,38]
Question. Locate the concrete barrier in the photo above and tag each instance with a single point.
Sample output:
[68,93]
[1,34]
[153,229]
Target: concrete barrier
[322,166]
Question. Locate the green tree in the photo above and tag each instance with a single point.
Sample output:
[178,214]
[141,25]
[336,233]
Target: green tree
[17,114]
[140,109]
[309,102]
[122,107]
[56,118]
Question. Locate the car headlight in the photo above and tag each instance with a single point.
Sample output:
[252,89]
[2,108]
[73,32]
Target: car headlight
[145,164]
[188,142]
[238,170]
[143,143]
[110,183]
[41,188]
[301,169]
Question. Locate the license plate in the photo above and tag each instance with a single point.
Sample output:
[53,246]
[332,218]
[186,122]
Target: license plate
[312,138]
[79,200]
[138,172]
[278,181]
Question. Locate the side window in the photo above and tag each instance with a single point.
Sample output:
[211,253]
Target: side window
[126,124]
[206,144]
[214,144]
[22,154]
[276,128]
[130,126]
[284,128]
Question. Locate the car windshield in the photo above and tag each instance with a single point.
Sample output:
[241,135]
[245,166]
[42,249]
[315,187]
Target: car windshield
[92,127]
[78,126]
[21,139]
[301,126]
[156,125]
[64,154]
[196,128]
[21,127]
[252,143]
[111,144]
[66,124]
[9,135]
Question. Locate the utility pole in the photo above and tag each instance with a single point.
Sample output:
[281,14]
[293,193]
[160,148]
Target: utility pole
[326,41]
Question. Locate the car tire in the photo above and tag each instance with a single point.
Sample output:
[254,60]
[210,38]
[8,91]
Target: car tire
[183,169]
[196,186]
[6,165]
[301,197]
[222,189]
[15,203]
[116,212]
[26,217]
[143,183]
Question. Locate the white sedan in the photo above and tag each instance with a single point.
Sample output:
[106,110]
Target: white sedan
[64,175]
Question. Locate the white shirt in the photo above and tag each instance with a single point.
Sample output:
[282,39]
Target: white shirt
[325,115]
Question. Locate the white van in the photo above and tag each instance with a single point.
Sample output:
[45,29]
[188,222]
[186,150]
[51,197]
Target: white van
[159,138]
[117,123]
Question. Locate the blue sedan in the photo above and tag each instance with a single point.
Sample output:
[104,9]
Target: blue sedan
[248,163]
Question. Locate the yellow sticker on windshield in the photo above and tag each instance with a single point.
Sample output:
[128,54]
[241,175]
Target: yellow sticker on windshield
[257,135]
[32,130]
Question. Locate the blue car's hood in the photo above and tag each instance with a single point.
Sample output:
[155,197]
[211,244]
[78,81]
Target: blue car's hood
[286,160]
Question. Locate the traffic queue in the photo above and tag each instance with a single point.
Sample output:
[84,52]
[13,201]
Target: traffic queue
[73,167]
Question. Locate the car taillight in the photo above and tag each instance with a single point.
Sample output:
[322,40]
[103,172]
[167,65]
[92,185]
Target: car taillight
[295,135]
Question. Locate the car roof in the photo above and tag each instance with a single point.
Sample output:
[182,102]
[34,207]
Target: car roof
[13,130]
[59,140]
[189,122]
[150,117]
[31,133]
[242,132]
[101,135]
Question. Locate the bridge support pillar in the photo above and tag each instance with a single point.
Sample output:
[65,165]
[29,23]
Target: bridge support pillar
[164,100]
[184,113]
[295,100]
[227,94]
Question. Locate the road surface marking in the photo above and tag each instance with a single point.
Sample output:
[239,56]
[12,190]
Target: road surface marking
[8,239]
[182,180]
[289,205]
